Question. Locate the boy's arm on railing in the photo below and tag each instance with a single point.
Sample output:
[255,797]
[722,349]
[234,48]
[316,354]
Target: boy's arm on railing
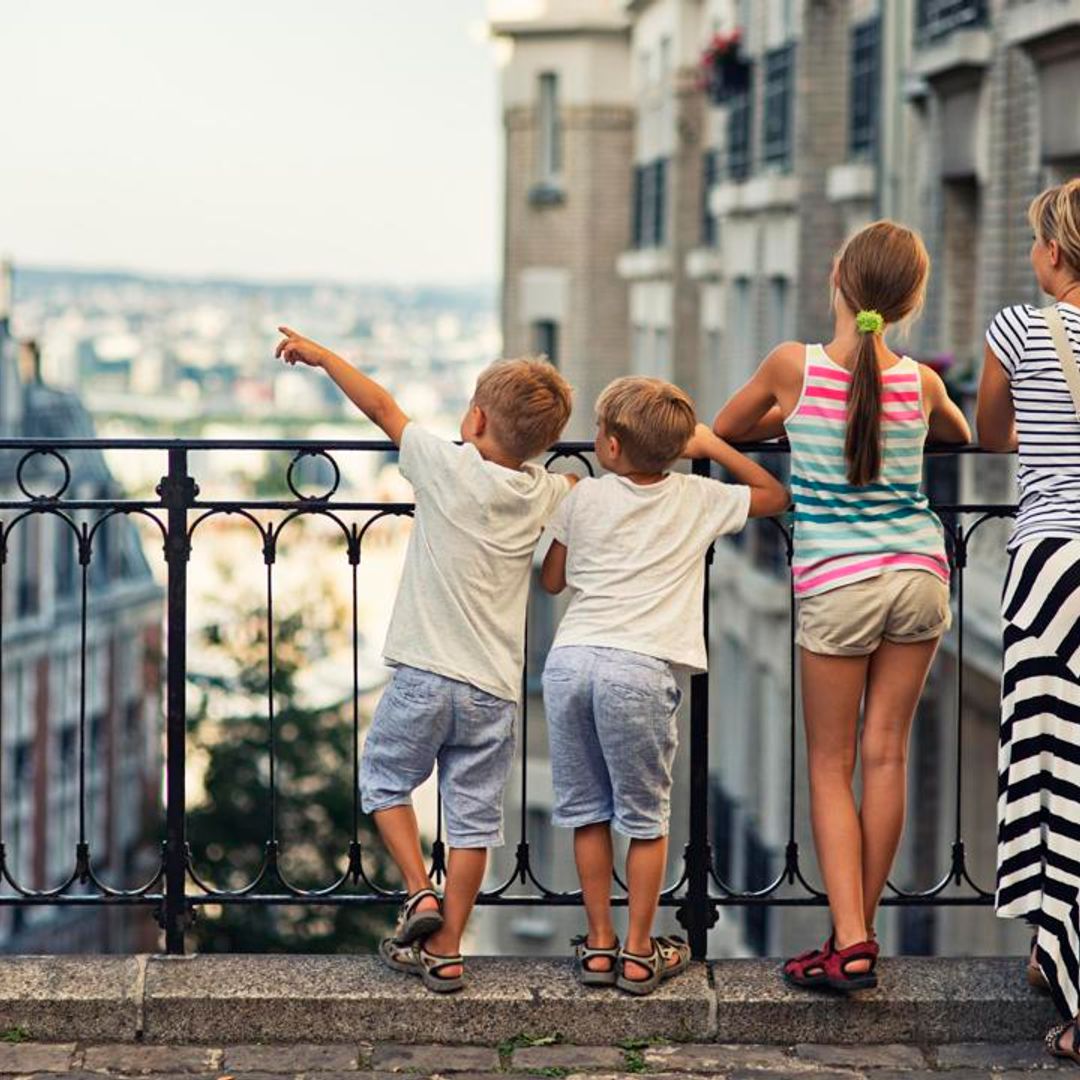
[767,495]
[553,572]
[373,400]
[995,415]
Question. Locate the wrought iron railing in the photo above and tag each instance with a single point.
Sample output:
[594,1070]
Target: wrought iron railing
[175,889]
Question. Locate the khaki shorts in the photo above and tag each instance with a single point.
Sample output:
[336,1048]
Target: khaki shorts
[902,606]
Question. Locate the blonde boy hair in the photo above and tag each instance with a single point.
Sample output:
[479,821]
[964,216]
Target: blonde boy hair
[527,403]
[1055,215]
[652,420]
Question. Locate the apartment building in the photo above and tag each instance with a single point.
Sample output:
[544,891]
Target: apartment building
[946,114]
[47,692]
[568,123]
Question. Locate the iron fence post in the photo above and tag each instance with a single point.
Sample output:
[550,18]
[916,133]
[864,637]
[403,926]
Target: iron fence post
[698,912]
[177,491]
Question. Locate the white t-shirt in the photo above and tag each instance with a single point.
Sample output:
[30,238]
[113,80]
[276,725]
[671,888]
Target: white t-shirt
[635,562]
[460,609]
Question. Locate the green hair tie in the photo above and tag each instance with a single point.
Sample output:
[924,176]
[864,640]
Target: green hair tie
[870,322]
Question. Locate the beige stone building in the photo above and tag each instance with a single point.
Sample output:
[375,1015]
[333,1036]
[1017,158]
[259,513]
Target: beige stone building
[946,114]
[569,127]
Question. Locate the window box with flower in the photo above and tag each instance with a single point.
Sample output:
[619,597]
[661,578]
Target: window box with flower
[725,71]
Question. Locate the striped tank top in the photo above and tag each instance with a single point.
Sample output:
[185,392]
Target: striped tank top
[845,533]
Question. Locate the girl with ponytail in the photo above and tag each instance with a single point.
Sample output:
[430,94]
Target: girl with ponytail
[869,567]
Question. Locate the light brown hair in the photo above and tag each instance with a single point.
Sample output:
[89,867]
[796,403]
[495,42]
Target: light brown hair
[1055,215]
[883,269]
[652,420]
[527,403]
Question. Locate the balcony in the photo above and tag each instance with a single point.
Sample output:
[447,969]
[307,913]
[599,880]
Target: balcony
[1047,28]
[952,39]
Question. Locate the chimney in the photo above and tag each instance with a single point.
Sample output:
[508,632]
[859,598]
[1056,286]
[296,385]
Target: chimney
[29,362]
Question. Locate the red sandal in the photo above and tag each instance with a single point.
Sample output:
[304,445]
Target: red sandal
[808,968]
[837,976]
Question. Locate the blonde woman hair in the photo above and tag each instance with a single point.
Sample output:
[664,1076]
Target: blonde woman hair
[881,274]
[527,403]
[652,420]
[1055,215]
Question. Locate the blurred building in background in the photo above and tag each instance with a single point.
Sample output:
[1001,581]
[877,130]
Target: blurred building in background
[44,715]
[760,134]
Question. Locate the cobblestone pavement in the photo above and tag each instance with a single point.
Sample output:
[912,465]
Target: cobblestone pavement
[523,1059]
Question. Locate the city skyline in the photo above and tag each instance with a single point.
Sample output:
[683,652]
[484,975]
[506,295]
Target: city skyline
[215,144]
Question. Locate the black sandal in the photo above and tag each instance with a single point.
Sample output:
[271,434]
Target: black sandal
[1054,1037]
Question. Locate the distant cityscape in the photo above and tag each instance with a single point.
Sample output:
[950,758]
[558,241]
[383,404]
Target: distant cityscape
[171,356]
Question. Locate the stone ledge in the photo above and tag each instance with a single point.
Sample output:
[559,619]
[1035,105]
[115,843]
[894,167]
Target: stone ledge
[240,1000]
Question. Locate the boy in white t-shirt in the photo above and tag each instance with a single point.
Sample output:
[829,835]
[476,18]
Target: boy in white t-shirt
[631,546]
[457,634]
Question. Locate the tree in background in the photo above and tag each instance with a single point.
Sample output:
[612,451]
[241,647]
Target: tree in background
[229,828]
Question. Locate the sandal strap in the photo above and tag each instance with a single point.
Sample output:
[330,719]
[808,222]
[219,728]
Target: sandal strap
[671,945]
[434,963]
[653,961]
[585,951]
[411,902]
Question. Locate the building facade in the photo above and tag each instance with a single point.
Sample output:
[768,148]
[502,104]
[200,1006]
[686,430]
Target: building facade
[948,115]
[48,694]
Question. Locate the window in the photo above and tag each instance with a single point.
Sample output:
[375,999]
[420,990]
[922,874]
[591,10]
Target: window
[742,346]
[659,209]
[66,557]
[708,178]
[780,311]
[865,87]
[28,582]
[662,353]
[779,72]
[650,204]
[938,18]
[550,130]
[739,133]
[546,339]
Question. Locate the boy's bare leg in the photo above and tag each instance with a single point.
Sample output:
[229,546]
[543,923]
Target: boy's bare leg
[646,862]
[595,866]
[464,876]
[401,835]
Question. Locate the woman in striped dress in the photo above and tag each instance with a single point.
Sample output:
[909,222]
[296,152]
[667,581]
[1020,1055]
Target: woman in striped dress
[870,570]
[1029,399]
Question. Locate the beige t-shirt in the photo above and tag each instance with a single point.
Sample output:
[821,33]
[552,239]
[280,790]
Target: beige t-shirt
[460,609]
[635,562]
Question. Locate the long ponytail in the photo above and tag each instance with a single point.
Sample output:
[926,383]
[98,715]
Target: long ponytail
[862,444]
[881,276]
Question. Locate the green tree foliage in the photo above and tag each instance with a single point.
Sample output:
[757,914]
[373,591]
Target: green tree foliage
[228,829]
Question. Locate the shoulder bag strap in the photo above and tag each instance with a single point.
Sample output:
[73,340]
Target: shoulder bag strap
[1069,364]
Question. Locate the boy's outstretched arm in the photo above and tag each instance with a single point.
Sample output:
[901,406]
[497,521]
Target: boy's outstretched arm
[767,495]
[373,400]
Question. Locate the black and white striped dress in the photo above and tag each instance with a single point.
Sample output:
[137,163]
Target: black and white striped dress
[1039,753]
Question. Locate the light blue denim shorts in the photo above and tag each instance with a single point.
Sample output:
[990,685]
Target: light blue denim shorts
[611,721]
[424,719]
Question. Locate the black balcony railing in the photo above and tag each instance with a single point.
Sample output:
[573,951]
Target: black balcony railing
[174,889]
[935,19]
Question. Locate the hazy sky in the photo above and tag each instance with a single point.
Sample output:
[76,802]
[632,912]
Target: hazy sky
[351,139]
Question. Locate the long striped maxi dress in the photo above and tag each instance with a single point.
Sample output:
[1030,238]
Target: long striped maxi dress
[1039,753]
[845,533]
